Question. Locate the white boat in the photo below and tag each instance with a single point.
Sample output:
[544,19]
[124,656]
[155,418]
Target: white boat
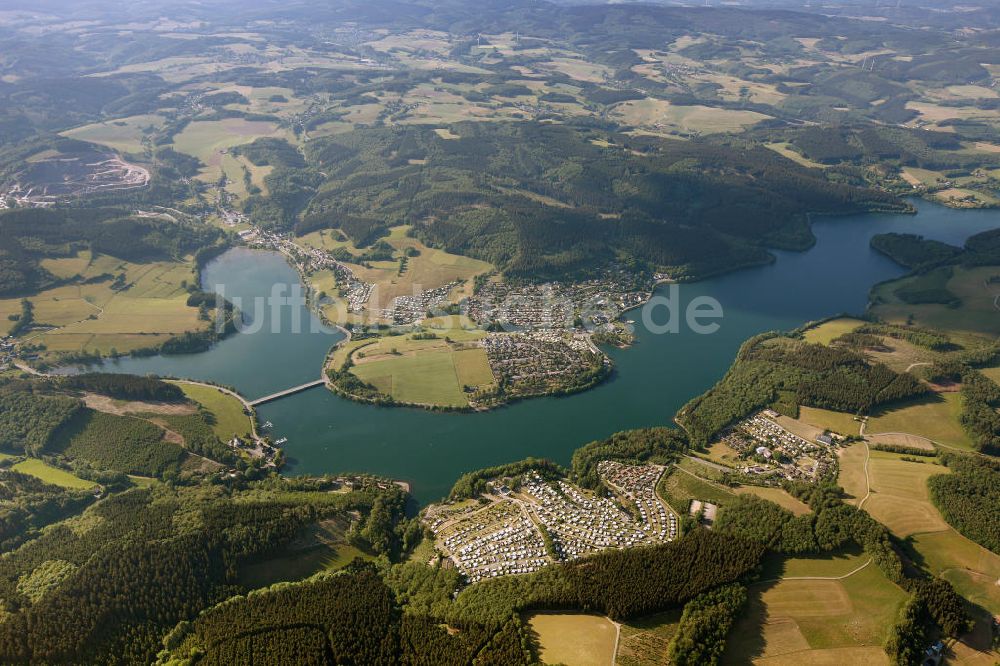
[282,440]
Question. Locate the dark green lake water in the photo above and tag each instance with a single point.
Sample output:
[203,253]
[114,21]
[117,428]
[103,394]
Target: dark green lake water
[653,379]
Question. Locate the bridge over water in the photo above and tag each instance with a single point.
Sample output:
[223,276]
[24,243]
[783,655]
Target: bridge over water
[286,392]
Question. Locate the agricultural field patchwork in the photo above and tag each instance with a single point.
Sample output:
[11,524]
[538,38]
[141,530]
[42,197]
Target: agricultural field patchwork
[113,305]
[797,621]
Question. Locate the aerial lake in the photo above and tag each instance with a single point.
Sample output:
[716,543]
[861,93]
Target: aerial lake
[654,378]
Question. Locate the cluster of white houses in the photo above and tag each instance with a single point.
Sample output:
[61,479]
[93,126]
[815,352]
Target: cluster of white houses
[496,541]
[580,525]
[356,293]
[539,355]
[408,309]
[541,522]
[638,484]
[773,452]
[558,305]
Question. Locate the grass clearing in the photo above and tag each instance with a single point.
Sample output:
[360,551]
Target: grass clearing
[680,487]
[974,572]
[431,372]
[431,268]
[851,476]
[869,656]
[230,419]
[799,427]
[977,315]
[577,68]
[830,330]
[827,565]
[901,355]
[210,140]
[935,417]
[900,499]
[972,569]
[992,373]
[68,267]
[786,621]
[320,547]
[785,150]
[841,423]
[49,474]
[778,496]
[662,115]
[721,453]
[570,638]
[124,135]
[644,641]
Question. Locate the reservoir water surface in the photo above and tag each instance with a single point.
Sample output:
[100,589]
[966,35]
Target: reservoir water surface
[654,378]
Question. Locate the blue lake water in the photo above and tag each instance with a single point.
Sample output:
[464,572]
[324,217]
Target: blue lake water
[654,378]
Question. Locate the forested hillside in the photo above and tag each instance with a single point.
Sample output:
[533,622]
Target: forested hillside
[114,581]
[28,236]
[784,373]
[543,200]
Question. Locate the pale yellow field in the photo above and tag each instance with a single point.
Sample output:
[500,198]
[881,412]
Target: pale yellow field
[830,330]
[577,640]
[230,419]
[578,69]
[660,114]
[851,476]
[259,98]
[973,570]
[926,177]
[124,135]
[68,267]
[176,69]
[430,269]
[963,197]
[734,89]
[786,150]
[93,317]
[207,139]
[900,499]
[778,496]
[901,439]
[901,356]
[413,40]
[936,112]
[841,423]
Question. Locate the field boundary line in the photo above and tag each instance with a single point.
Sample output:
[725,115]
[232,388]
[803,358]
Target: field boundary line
[868,483]
[709,481]
[846,575]
[618,638]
